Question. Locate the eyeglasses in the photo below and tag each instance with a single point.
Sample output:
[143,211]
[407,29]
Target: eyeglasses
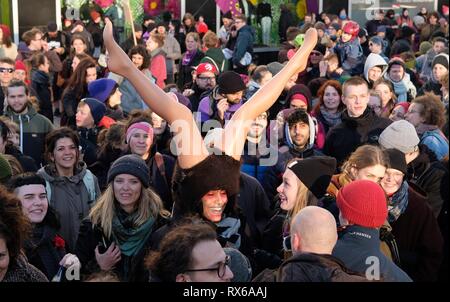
[221,269]
[316,53]
[8,70]
[207,78]
[413,111]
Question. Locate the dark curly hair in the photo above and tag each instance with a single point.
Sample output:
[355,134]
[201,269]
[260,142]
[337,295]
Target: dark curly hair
[174,255]
[52,138]
[142,51]
[14,225]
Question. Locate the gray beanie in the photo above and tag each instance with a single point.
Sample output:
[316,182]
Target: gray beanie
[400,135]
[130,164]
[239,265]
[275,67]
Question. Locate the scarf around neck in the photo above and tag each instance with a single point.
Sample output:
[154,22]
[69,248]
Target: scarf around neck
[398,202]
[331,118]
[129,237]
[422,128]
[188,56]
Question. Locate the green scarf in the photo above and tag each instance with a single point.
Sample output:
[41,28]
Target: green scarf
[130,238]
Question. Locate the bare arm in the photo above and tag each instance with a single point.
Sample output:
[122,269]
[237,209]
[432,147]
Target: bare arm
[237,128]
[187,135]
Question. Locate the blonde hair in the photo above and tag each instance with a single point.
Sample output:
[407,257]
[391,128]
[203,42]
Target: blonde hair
[363,157]
[148,205]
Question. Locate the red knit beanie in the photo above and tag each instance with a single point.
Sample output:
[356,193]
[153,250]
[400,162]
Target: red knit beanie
[363,203]
[5,30]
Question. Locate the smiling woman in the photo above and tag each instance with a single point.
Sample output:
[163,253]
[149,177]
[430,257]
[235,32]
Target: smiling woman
[119,229]
[71,187]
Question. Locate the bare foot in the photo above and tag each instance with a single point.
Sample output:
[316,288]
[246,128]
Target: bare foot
[118,61]
[300,59]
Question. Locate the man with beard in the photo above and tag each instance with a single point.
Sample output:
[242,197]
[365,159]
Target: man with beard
[258,154]
[204,80]
[33,126]
[224,100]
[300,133]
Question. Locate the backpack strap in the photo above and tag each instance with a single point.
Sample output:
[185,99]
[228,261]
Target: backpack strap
[88,180]
[48,189]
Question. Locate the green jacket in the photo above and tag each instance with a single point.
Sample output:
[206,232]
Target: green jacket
[33,129]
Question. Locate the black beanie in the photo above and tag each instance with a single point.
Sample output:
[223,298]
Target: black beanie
[320,48]
[315,173]
[397,160]
[442,59]
[130,164]
[230,82]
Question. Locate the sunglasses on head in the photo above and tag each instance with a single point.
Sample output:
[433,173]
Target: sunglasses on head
[9,70]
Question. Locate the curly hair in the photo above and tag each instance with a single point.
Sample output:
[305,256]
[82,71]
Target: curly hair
[174,255]
[14,225]
[142,51]
[433,111]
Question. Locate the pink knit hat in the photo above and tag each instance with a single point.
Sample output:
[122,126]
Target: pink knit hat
[363,203]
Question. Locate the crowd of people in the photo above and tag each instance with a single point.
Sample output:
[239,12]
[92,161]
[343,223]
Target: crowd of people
[176,158]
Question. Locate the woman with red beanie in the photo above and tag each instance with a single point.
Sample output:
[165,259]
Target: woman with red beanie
[7,47]
[363,210]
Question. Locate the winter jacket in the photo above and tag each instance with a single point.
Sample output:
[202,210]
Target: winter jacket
[255,206]
[28,164]
[208,107]
[2,99]
[215,56]
[372,61]
[353,132]
[42,251]
[430,86]
[430,175]
[88,143]
[130,99]
[71,200]
[350,56]
[173,52]
[129,268]
[22,271]
[185,71]
[418,238]
[158,67]
[436,141]
[310,267]
[161,170]
[33,129]
[244,43]
[257,158]
[197,96]
[40,87]
[359,249]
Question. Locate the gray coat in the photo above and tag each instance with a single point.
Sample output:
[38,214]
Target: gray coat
[71,200]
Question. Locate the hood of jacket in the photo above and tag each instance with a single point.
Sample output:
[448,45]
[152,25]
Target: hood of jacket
[50,174]
[374,60]
[312,135]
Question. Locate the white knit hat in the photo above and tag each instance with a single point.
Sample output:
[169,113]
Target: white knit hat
[400,135]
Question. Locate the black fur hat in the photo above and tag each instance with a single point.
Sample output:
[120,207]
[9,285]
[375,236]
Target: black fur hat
[213,173]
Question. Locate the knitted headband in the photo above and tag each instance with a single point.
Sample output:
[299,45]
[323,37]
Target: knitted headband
[139,126]
[300,97]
